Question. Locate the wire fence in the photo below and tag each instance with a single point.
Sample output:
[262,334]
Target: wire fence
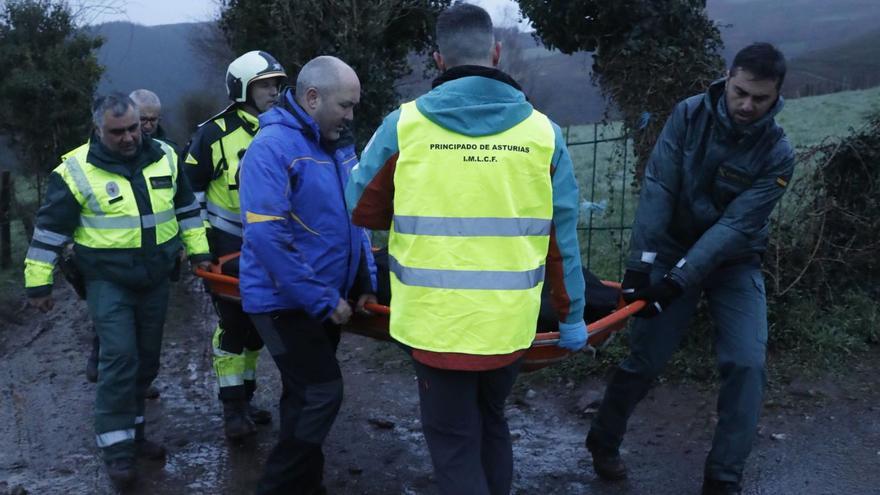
[601,154]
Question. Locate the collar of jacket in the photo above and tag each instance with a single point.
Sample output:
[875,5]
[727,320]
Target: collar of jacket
[250,123]
[305,121]
[308,125]
[475,70]
[716,103]
[101,157]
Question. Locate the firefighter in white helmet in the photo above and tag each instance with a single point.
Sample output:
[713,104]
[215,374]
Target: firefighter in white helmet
[211,158]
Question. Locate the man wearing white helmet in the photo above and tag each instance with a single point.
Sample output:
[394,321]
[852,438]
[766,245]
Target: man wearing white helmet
[212,156]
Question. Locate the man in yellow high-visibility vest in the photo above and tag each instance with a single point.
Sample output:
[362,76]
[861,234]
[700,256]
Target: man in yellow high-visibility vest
[478,192]
[124,204]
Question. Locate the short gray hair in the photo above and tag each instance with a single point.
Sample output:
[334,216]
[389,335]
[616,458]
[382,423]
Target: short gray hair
[321,73]
[465,35]
[116,103]
[145,98]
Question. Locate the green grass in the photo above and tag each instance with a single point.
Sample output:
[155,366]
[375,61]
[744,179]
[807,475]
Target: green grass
[809,121]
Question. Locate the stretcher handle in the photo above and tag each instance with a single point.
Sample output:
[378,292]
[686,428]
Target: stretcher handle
[216,277]
[596,328]
[378,309]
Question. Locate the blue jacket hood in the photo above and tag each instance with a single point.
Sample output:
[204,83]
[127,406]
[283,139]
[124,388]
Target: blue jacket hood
[289,114]
[475,105]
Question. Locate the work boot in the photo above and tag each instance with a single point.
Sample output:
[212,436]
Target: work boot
[718,487]
[606,462]
[121,471]
[151,392]
[236,423]
[149,450]
[257,415]
[92,363]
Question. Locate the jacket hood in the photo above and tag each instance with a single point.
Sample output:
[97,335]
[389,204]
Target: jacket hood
[289,114]
[475,101]
[716,103]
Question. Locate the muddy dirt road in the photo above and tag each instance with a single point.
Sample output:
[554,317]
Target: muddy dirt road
[816,437]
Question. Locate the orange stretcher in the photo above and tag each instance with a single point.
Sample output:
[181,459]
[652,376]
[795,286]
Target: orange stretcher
[543,352]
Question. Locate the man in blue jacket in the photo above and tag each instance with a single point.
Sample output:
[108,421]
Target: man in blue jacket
[478,192]
[302,259]
[718,169]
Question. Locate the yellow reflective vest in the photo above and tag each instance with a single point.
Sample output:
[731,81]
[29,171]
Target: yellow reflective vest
[212,164]
[470,235]
[110,227]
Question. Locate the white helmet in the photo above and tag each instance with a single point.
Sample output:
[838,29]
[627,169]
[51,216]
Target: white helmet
[250,67]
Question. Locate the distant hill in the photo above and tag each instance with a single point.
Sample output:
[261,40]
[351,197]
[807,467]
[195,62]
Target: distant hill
[832,41]
[795,26]
[854,64]
[162,59]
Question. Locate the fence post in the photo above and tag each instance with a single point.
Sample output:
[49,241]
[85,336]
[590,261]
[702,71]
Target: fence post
[5,231]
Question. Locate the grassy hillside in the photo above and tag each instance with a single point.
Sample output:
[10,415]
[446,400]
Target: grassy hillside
[810,120]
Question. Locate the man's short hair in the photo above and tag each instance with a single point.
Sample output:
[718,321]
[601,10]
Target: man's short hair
[321,73]
[116,103]
[763,60]
[145,98]
[464,34]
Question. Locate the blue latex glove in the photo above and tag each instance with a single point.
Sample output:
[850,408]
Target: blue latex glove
[572,336]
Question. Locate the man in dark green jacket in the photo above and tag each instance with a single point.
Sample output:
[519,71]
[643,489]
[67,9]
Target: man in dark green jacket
[128,210]
[718,169]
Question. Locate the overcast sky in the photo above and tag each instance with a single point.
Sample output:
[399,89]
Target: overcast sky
[154,12]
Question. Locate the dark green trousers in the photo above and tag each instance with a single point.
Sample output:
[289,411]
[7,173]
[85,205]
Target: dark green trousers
[129,326]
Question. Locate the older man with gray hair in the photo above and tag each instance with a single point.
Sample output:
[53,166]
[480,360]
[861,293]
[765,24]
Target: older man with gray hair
[150,108]
[302,260]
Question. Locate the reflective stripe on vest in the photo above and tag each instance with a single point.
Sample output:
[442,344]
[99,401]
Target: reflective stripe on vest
[466,279]
[470,235]
[110,217]
[223,219]
[50,238]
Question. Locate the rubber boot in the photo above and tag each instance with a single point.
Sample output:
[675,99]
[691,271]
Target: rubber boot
[148,449]
[236,423]
[121,472]
[92,362]
[257,415]
[606,462]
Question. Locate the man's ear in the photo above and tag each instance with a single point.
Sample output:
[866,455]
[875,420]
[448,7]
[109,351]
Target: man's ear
[496,54]
[313,98]
[438,59]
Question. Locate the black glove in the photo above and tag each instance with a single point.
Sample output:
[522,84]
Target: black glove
[633,282]
[658,297]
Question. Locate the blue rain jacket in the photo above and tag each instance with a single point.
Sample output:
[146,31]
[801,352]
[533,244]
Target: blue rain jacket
[300,250]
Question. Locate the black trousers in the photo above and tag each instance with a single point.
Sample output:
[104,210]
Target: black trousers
[304,350]
[465,428]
